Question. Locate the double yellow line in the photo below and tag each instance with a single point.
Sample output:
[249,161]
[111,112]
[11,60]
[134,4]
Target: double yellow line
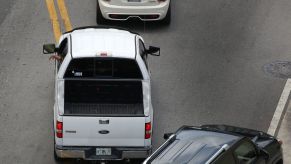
[54,17]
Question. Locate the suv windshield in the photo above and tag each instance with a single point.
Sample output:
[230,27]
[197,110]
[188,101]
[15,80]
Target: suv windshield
[103,68]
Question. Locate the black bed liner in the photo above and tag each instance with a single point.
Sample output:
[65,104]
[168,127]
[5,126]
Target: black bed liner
[93,97]
[104,109]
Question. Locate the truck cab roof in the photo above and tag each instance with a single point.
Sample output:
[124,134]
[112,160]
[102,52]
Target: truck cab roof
[94,42]
[216,144]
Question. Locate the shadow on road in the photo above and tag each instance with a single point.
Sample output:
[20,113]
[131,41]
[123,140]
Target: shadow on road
[136,25]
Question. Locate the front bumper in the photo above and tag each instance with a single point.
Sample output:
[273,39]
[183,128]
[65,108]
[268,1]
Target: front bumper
[89,153]
[144,13]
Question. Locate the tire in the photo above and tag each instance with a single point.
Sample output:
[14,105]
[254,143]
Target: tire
[167,19]
[137,160]
[56,158]
[280,161]
[99,17]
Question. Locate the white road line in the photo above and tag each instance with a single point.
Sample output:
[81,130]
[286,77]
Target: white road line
[280,110]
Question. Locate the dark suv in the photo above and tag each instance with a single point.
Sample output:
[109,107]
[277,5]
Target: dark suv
[217,144]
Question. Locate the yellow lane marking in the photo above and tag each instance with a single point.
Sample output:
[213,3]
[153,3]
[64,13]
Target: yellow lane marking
[64,14]
[54,19]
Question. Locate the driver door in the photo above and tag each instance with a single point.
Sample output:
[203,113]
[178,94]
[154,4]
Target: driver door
[62,51]
[247,153]
[143,54]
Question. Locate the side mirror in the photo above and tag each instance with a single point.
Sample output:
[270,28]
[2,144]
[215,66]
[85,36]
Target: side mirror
[155,51]
[49,48]
[167,135]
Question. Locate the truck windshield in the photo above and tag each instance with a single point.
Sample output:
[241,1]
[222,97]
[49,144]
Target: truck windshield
[106,68]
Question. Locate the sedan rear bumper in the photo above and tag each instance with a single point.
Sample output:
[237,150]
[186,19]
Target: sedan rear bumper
[89,153]
[144,13]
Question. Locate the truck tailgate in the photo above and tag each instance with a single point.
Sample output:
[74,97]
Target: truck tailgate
[100,131]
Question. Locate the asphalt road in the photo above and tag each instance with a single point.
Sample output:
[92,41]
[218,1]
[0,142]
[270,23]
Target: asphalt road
[210,71]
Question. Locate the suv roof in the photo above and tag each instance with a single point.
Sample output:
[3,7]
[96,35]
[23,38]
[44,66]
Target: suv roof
[92,41]
[207,143]
[195,145]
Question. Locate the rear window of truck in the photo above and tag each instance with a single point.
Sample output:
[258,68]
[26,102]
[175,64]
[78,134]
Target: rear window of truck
[110,68]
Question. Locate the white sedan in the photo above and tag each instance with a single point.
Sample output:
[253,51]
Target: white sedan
[145,10]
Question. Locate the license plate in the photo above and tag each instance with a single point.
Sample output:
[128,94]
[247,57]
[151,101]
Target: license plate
[103,151]
[134,0]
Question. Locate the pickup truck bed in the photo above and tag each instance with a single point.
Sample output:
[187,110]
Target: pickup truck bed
[103,98]
[104,109]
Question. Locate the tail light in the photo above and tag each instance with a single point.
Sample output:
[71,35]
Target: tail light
[148,128]
[59,129]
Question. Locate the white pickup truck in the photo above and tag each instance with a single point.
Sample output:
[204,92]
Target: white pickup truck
[103,108]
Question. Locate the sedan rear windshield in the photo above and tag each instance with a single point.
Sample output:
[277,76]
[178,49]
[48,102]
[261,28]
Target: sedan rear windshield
[107,68]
